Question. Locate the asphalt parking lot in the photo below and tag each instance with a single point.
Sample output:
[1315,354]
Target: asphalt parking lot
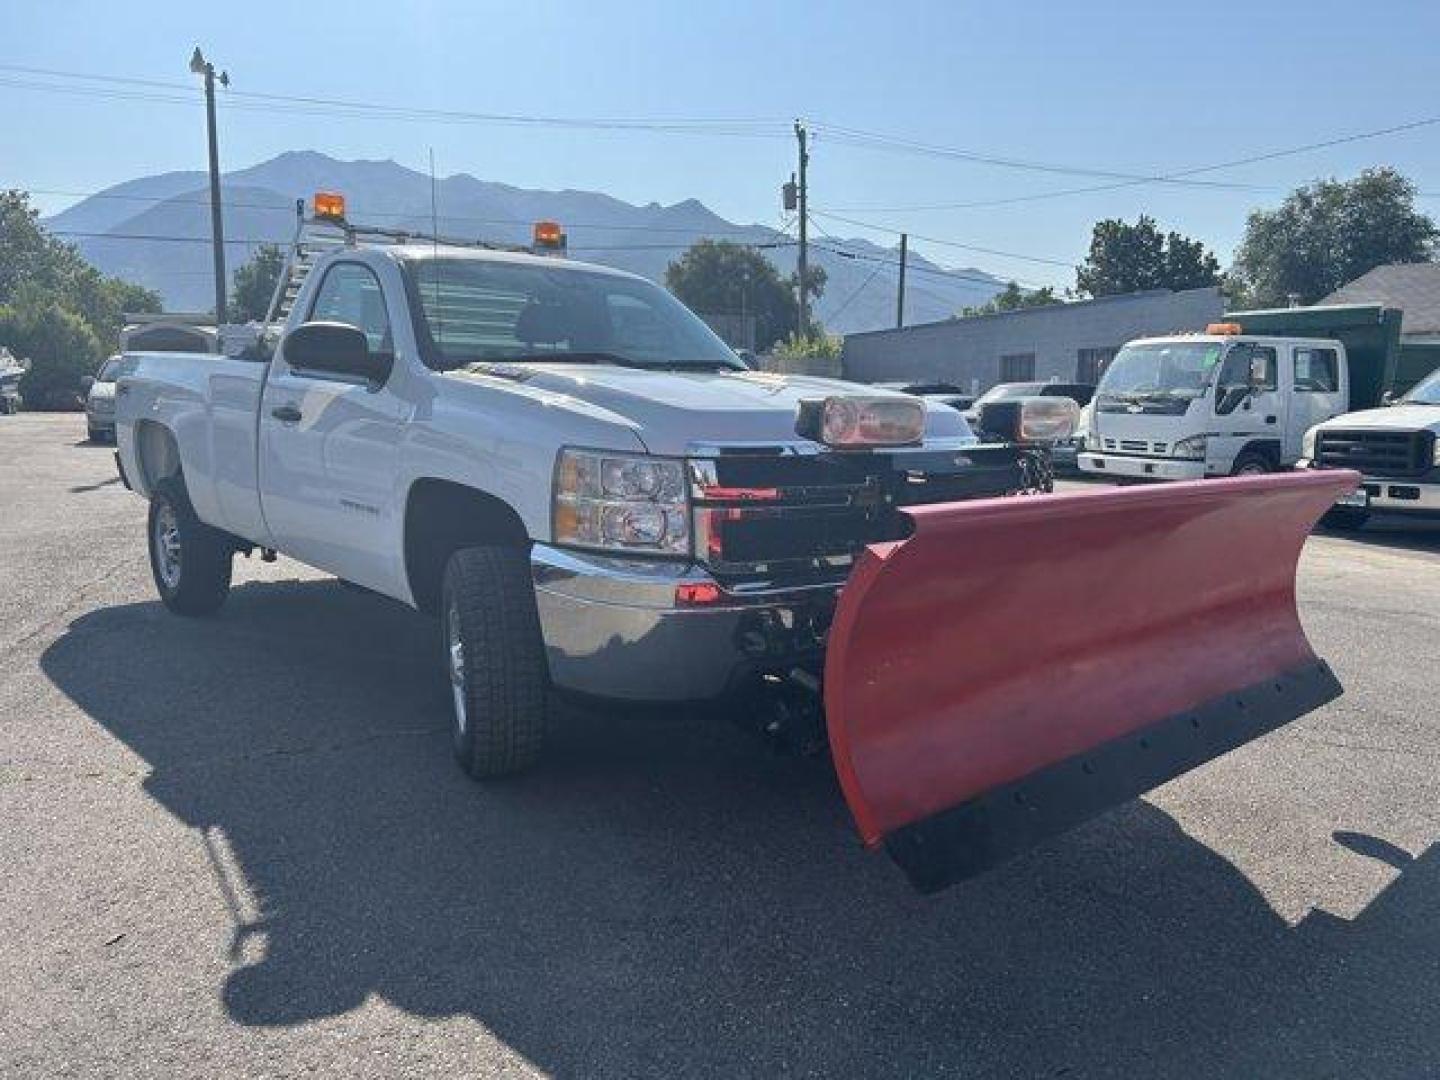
[239,847]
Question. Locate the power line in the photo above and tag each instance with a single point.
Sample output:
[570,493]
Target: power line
[850,299]
[947,243]
[289,207]
[338,106]
[177,239]
[1179,175]
[898,144]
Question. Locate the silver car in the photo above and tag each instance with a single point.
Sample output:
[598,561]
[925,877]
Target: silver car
[100,402]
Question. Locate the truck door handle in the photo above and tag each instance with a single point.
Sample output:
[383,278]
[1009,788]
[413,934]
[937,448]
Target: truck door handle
[1270,419]
[286,414]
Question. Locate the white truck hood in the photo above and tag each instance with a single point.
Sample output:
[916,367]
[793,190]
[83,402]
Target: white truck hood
[676,411]
[1393,418]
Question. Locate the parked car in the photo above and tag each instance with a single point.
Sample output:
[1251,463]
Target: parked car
[1080,393]
[11,371]
[942,393]
[100,402]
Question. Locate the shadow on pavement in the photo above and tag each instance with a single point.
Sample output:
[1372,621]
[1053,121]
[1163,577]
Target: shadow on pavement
[1393,531]
[665,897]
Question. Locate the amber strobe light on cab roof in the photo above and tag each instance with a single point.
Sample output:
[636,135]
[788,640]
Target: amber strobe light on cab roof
[548,236]
[1226,328]
[329,206]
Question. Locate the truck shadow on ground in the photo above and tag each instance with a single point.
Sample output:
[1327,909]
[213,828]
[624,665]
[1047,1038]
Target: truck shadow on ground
[665,897]
[1392,531]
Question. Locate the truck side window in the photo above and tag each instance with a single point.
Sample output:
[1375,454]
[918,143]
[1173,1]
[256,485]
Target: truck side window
[1317,371]
[1264,371]
[1247,368]
[351,294]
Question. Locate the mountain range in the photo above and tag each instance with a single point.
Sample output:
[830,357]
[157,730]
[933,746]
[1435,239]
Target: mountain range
[155,230]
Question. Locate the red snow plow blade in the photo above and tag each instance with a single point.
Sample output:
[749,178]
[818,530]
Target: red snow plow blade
[1019,665]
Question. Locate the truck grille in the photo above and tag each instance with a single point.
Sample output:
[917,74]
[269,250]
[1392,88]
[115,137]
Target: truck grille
[1135,446]
[1376,453]
[803,517]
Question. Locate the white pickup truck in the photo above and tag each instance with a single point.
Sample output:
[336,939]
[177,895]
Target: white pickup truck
[1395,448]
[595,495]
[560,459]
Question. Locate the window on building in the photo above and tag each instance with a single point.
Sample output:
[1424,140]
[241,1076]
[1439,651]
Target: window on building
[1090,364]
[1317,371]
[1017,367]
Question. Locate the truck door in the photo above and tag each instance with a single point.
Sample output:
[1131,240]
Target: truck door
[1319,393]
[330,445]
[1250,406]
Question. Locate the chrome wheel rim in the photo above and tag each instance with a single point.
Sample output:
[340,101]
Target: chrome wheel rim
[455,660]
[167,546]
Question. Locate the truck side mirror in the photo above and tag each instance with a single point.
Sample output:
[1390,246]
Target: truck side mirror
[1387,398]
[336,348]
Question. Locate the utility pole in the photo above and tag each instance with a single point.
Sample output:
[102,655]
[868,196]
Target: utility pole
[900,296]
[803,260]
[200,66]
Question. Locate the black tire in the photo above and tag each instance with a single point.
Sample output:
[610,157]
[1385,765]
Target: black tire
[1251,463]
[1345,518]
[499,680]
[199,581]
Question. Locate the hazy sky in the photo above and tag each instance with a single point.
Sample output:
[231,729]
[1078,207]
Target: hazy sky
[1142,88]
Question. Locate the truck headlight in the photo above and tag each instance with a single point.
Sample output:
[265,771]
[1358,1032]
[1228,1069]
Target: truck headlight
[1192,449]
[620,502]
[1307,445]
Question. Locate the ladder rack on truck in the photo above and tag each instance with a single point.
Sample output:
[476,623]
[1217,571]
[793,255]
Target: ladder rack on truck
[327,230]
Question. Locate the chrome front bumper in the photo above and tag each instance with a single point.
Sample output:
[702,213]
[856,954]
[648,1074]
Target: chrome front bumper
[613,629]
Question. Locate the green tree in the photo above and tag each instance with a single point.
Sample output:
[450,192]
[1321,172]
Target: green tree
[254,284]
[1013,298]
[720,277]
[1327,234]
[1127,258]
[55,308]
[61,348]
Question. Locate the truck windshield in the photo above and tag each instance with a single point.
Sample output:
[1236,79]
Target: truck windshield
[1426,391]
[469,310]
[1158,377]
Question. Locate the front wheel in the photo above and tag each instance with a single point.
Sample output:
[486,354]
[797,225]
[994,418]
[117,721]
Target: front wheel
[495,655]
[189,560]
[1249,463]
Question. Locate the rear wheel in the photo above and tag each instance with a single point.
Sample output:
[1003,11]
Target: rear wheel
[495,656]
[1251,463]
[189,560]
[1345,518]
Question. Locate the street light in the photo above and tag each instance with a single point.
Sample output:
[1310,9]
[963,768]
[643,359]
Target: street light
[200,66]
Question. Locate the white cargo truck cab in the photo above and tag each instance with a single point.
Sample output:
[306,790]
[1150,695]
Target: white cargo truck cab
[1221,403]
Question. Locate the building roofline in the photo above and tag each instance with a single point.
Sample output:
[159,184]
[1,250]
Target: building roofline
[1065,305]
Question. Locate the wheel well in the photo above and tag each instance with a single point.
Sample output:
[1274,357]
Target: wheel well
[1266,448]
[157,452]
[441,516]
